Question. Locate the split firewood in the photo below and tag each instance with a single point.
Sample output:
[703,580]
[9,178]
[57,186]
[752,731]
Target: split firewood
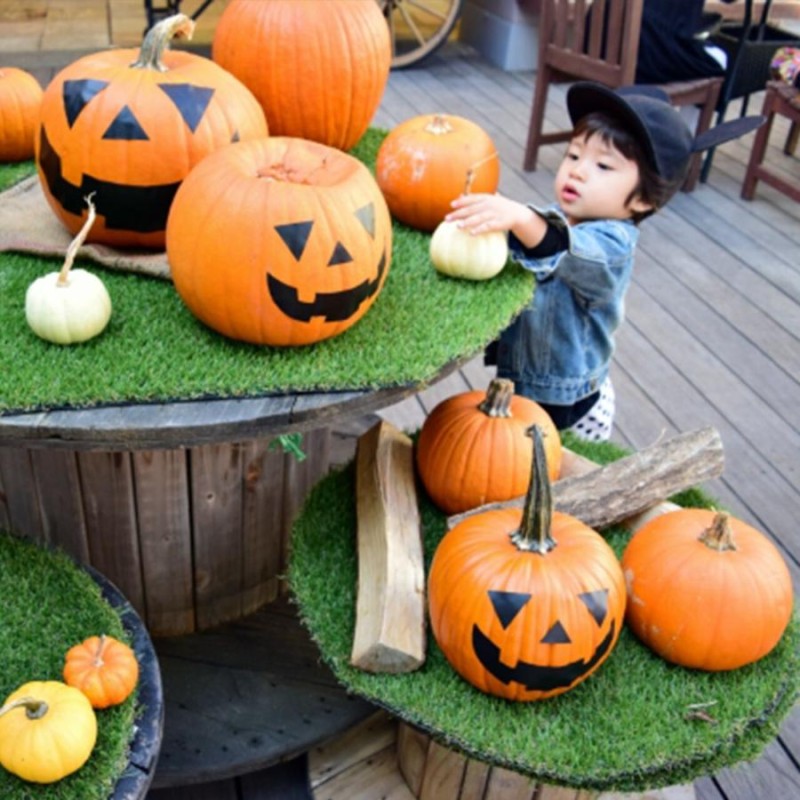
[632,485]
[390,607]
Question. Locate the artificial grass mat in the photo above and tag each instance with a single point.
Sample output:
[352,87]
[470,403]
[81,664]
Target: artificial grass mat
[622,729]
[50,604]
[155,350]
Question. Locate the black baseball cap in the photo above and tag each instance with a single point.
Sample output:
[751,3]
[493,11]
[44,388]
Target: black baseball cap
[661,130]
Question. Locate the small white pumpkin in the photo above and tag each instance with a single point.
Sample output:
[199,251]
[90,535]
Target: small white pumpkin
[476,257]
[69,306]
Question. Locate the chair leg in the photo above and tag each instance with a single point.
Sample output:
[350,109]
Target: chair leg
[759,147]
[791,139]
[536,123]
[703,124]
[709,157]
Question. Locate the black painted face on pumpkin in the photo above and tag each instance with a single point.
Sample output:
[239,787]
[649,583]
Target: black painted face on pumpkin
[332,305]
[536,677]
[123,205]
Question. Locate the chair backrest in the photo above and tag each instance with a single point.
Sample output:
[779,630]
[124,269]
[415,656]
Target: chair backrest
[591,40]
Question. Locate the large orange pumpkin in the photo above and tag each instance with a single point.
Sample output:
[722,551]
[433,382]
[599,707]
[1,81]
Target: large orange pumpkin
[424,163]
[20,97]
[129,126]
[474,447]
[279,241]
[527,604]
[706,590]
[317,68]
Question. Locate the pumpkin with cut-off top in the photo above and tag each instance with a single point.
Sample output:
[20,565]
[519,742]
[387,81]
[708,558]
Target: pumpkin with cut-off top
[295,242]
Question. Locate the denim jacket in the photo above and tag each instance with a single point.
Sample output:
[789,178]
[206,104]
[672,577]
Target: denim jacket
[558,350]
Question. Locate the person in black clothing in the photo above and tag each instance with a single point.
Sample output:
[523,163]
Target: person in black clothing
[671,47]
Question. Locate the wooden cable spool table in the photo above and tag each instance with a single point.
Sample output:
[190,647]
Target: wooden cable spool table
[187,508]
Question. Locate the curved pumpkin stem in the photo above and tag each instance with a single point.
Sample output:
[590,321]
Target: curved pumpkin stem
[719,536]
[75,244]
[471,171]
[34,709]
[158,38]
[497,402]
[534,531]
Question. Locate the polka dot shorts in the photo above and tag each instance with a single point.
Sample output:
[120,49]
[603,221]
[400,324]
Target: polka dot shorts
[596,424]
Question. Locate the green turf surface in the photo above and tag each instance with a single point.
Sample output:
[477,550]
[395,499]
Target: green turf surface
[48,604]
[154,350]
[624,728]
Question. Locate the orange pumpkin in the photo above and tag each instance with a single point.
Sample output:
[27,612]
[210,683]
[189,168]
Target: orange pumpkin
[424,163]
[129,126]
[103,668]
[527,604]
[279,241]
[474,448]
[706,590]
[20,97]
[318,69]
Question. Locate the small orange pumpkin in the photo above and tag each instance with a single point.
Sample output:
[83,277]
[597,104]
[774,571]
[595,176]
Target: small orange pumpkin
[527,604]
[706,590]
[20,97]
[427,161]
[474,448]
[128,126]
[318,69]
[294,244]
[103,668]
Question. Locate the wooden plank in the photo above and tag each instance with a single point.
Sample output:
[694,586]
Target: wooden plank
[109,508]
[507,785]
[20,501]
[476,778]
[262,490]
[390,605]
[444,773]
[380,780]
[58,487]
[412,754]
[216,499]
[376,733]
[165,540]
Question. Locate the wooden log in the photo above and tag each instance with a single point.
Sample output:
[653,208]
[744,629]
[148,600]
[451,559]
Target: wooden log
[390,608]
[632,484]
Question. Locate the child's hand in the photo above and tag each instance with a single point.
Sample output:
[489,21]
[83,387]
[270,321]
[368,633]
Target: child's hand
[484,213]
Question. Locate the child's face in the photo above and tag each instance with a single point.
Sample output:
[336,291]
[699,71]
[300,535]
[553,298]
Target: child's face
[595,181]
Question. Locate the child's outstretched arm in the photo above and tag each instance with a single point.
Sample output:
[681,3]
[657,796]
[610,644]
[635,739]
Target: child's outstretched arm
[484,213]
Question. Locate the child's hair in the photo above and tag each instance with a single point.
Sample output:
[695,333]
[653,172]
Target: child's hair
[652,188]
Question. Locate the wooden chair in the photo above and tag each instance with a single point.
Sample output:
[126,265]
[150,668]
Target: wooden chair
[784,100]
[601,47]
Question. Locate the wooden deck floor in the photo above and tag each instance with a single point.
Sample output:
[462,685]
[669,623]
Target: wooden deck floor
[712,337]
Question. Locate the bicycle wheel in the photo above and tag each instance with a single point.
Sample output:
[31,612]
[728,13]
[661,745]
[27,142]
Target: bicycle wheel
[418,27]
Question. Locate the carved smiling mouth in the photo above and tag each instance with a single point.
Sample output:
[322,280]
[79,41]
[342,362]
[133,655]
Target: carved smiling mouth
[533,676]
[333,306]
[142,209]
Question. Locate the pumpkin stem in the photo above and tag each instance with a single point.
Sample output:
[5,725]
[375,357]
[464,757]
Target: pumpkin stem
[75,244]
[158,38]
[34,709]
[497,402]
[439,125]
[719,536]
[534,530]
[98,656]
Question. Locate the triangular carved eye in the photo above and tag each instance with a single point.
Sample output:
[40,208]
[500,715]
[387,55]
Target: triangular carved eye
[77,95]
[597,603]
[366,216]
[339,255]
[191,101]
[126,127]
[556,635]
[295,236]
[507,605]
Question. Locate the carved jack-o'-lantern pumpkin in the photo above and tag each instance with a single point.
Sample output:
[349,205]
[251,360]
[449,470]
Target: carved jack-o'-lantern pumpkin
[127,127]
[279,241]
[525,605]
